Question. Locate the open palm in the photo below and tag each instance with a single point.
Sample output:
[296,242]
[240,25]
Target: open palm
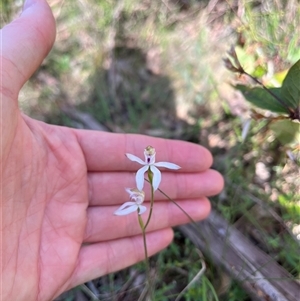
[60,186]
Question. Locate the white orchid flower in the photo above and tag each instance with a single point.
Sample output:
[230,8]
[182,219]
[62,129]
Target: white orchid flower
[149,162]
[137,198]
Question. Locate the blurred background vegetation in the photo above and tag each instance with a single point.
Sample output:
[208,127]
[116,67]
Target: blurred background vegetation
[156,67]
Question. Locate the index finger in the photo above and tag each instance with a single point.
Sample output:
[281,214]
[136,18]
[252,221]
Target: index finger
[106,151]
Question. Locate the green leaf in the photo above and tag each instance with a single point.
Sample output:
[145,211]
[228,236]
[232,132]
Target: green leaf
[262,99]
[290,90]
[286,131]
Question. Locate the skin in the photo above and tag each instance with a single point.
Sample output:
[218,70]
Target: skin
[60,186]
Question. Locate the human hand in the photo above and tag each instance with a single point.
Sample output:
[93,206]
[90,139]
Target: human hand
[60,186]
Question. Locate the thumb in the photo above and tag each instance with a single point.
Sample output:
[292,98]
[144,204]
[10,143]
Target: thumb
[25,43]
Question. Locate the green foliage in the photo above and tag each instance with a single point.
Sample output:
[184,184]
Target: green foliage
[181,256]
[290,90]
[6,9]
[235,294]
[289,203]
[274,26]
[277,100]
[262,99]
[284,100]
[286,131]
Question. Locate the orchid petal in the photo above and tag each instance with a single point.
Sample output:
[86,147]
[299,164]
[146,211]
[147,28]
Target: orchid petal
[139,177]
[135,158]
[126,205]
[129,191]
[156,177]
[167,165]
[142,209]
[131,207]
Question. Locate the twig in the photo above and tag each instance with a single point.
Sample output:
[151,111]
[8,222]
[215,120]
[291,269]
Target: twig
[196,278]
[89,292]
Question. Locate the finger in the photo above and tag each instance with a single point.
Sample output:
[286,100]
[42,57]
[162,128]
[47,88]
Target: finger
[103,225]
[103,258]
[106,151]
[25,43]
[108,188]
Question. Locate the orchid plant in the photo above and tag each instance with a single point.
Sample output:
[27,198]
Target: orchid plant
[137,195]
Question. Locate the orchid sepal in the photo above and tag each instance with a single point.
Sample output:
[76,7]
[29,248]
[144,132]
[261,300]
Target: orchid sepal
[167,165]
[135,158]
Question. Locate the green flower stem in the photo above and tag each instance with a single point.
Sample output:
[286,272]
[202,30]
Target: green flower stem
[150,176]
[146,252]
[144,237]
[143,227]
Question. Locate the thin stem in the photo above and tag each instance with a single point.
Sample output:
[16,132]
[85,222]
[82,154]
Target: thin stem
[145,244]
[150,177]
[149,281]
[191,220]
[89,292]
[196,278]
[151,206]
